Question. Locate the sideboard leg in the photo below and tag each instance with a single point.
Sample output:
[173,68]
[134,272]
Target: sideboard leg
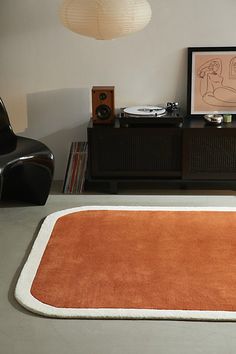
[113,187]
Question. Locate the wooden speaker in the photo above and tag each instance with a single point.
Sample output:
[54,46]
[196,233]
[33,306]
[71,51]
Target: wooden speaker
[103,105]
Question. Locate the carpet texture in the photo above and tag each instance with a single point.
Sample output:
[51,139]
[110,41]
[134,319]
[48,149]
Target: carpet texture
[127,262]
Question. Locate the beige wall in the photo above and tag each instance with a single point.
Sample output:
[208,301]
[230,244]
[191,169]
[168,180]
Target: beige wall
[46,71]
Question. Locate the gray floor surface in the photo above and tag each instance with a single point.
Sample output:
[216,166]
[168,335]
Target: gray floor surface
[22,332]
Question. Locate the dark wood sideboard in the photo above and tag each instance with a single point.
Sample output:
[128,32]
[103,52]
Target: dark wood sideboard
[191,155]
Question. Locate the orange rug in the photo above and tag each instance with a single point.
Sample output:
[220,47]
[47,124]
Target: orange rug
[110,262]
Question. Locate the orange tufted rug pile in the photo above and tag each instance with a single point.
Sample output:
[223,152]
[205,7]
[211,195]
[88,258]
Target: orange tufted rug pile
[133,262]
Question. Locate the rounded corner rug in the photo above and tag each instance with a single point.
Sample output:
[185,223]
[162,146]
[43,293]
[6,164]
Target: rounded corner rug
[133,262]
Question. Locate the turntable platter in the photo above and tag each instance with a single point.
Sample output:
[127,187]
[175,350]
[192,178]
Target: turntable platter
[145,111]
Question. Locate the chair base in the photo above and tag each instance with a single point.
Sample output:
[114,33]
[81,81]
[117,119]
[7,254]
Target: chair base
[28,183]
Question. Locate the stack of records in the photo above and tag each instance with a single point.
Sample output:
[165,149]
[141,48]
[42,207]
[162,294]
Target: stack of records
[76,168]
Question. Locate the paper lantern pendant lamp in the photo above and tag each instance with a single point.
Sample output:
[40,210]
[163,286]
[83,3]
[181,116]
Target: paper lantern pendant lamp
[105,19]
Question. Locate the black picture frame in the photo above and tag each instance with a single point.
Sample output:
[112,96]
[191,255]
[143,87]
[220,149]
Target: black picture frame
[211,85]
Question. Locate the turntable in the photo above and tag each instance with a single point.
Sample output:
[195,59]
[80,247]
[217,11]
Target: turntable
[151,115]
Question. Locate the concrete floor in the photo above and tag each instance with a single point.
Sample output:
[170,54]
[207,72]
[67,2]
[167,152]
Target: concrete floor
[22,332]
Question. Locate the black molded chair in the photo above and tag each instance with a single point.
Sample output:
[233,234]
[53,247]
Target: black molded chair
[26,165]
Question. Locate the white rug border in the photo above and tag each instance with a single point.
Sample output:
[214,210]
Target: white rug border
[24,297]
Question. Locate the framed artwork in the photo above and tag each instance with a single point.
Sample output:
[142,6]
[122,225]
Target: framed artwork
[211,80]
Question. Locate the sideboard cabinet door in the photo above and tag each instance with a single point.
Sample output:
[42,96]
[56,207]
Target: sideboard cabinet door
[209,154]
[135,152]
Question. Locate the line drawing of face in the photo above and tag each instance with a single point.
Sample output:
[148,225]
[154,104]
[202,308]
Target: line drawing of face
[214,67]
